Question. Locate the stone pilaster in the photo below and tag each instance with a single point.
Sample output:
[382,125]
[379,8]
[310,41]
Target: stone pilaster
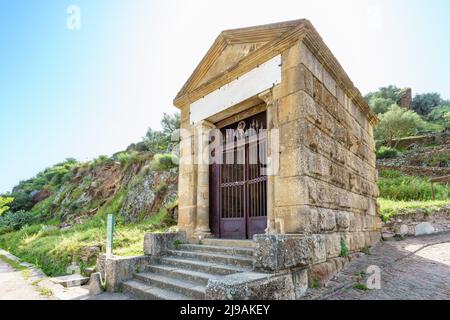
[202,130]
[267,97]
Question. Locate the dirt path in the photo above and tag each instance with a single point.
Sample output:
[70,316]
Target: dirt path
[415,268]
[13,285]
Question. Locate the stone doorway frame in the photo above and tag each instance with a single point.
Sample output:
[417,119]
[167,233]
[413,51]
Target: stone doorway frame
[261,102]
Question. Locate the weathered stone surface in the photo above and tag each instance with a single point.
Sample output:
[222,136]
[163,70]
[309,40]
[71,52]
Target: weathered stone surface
[333,245]
[156,244]
[301,281]
[120,269]
[280,252]
[319,248]
[299,219]
[424,228]
[90,254]
[405,224]
[327,220]
[321,273]
[73,280]
[95,284]
[326,187]
[343,220]
[147,196]
[251,286]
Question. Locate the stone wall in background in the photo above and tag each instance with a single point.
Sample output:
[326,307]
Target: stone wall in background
[417,223]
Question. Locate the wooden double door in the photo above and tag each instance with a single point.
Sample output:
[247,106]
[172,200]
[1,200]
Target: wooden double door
[238,185]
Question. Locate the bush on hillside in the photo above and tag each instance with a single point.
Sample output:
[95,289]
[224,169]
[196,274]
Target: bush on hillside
[387,153]
[161,141]
[441,115]
[397,123]
[425,103]
[164,162]
[16,220]
[22,202]
[4,201]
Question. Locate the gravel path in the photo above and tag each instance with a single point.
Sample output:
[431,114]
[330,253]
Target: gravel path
[415,268]
[13,285]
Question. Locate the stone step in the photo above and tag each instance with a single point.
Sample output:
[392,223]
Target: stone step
[183,274]
[190,289]
[202,266]
[143,291]
[239,261]
[235,251]
[227,243]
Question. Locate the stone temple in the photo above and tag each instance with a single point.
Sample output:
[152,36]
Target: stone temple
[294,194]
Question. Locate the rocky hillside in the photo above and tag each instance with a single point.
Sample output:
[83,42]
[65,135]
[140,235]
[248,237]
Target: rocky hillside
[140,189]
[58,216]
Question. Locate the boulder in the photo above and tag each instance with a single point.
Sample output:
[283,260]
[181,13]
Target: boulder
[424,228]
[95,284]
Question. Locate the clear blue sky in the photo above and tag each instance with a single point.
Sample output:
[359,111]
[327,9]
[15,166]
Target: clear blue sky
[93,91]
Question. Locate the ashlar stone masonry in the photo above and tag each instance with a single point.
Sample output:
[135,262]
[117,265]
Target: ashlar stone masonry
[323,197]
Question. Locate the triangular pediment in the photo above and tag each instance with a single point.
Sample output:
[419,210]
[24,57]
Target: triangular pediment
[238,51]
[231,47]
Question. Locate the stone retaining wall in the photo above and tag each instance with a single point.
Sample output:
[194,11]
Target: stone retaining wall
[431,172]
[420,222]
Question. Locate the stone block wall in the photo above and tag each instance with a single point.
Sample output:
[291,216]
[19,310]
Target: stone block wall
[326,185]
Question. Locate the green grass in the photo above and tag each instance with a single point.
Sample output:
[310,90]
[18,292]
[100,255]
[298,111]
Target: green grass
[360,286]
[391,208]
[344,249]
[53,250]
[14,264]
[45,292]
[17,266]
[394,185]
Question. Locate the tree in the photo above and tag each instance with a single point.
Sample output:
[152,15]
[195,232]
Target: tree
[425,103]
[380,105]
[3,204]
[381,100]
[170,123]
[440,115]
[22,201]
[161,141]
[397,123]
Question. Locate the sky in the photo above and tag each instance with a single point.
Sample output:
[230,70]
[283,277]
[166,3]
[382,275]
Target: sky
[94,90]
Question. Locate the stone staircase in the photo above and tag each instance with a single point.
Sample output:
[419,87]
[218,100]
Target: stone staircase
[183,274]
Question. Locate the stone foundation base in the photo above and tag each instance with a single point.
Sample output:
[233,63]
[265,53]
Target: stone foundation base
[116,270]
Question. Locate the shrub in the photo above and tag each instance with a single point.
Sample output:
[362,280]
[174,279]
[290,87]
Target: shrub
[163,162]
[387,153]
[381,105]
[22,201]
[161,141]
[3,204]
[425,103]
[101,160]
[127,158]
[16,220]
[397,123]
[441,115]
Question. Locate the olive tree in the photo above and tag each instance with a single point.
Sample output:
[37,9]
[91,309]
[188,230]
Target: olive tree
[397,123]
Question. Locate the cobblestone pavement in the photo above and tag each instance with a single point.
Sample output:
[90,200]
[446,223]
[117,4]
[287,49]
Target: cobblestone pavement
[415,268]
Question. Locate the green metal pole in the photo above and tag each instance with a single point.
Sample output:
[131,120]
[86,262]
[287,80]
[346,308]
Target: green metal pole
[110,234]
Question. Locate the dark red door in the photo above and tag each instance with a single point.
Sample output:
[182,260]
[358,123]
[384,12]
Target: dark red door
[239,184]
